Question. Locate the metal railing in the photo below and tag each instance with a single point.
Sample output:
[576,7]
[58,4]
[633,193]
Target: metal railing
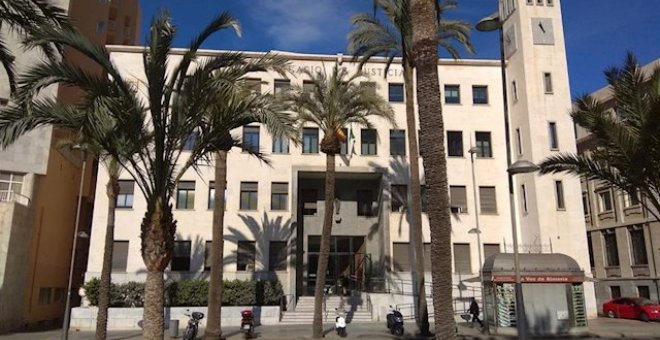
[10,196]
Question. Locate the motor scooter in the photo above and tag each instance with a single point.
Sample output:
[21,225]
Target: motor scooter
[247,323]
[340,323]
[395,321]
[193,325]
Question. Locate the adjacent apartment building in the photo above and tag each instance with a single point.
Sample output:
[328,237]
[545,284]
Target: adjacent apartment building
[274,213]
[623,237]
[39,184]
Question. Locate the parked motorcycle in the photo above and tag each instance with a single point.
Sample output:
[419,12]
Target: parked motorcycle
[395,321]
[193,325]
[247,323]
[340,324]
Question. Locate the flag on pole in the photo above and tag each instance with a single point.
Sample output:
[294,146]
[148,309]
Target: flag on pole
[350,144]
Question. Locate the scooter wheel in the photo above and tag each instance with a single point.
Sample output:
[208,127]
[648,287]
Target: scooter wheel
[399,331]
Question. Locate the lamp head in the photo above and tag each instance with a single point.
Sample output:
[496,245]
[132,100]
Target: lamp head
[489,23]
[474,149]
[522,166]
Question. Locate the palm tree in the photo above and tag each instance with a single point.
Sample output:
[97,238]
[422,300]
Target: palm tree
[424,18]
[332,102]
[22,17]
[172,109]
[372,37]
[627,144]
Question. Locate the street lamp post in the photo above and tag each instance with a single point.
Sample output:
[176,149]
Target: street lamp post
[489,24]
[472,151]
[67,308]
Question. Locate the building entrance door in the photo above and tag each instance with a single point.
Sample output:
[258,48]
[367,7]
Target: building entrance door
[346,264]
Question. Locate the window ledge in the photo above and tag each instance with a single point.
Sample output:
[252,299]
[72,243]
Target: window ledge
[184,209]
[561,209]
[481,104]
[457,157]
[453,104]
[489,213]
[124,208]
[554,149]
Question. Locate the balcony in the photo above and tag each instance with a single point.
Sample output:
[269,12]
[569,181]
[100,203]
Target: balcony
[641,271]
[13,197]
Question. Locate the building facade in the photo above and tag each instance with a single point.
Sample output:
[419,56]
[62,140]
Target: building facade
[623,237]
[39,184]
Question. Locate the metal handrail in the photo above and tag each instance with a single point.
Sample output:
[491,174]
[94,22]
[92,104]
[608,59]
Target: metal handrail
[11,196]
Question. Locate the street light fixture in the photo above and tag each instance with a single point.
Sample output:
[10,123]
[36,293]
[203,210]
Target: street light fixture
[473,150]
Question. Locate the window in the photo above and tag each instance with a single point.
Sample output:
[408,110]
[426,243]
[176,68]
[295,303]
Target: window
[280,144]
[401,256]
[185,195]
[550,3]
[479,94]
[399,197]
[308,86]
[491,249]
[279,196]
[523,193]
[483,143]
[452,94]
[462,263]
[309,201]
[559,195]
[547,81]
[539,2]
[248,196]
[365,202]
[119,256]
[552,135]
[455,143]
[253,84]
[630,199]
[181,256]
[190,141]
[100,27]
[310,140]
[10,184]
[125,195]
[425,197]
[207,255]
[251,139]
[458,198]
[281,86]
[368,140]
[643,292]
[585,204]
[343,146]
[211,198]
[277,255]
[530,2]
[44,296]
[611,249]
[590,247]
[514,89]
[638,245]
[395,93]
[245,256]
[615,292]
[397,142]
[518,142]
[487,200]
[370,86]
[605,201]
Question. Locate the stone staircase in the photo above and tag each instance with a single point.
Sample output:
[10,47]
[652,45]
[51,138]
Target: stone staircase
[355,308]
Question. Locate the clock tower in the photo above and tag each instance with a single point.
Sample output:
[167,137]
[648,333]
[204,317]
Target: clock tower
[549,207]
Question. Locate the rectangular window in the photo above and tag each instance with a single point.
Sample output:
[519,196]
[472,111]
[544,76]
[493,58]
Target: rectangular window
[10,184]
[119,256]
[550,3]
[369,141]
[211,198]
[44,296]
[125,196]
[514,90]
[395,92]
[181,256]
[483,143]
[547,82]
[559,195]
[455,143]
[207,255]
[518,142]
[611,249]
[452,94]
[277,256]
[308,86]
[630,199]
[590,247]
[462,263]
[343,146]
[279,196]
[615,292]
[398,142]
[458,198]
[643,292]
[479,94]
[100,27]
[365,203]
[185,195]
[310,140]
[585,204]
[523,193]
[190,141]
[638,245]
[401,256]
[399,197]
[253,84]
[552,136]
[487,200]
[248,196]
[245,256]
[530,2]
[281,85]
[491,249]
[370,86]
[280,144]
[251,139]
[309,201]
[539,2]
[605,201]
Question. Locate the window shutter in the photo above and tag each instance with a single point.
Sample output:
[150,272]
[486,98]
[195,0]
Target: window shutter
[187,185]
[462,258]
[207,255]
[400,257]
[488,200]
[491,249]
[126,187]
[458,196]
[249,186]
[280,188]
[119,256]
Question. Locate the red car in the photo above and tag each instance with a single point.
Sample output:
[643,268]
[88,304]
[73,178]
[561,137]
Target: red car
[632,308]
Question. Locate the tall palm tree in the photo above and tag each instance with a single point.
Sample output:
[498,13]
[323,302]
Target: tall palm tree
[627,143]
[332,102]
[22,17]
[424,18]
[371,37]
[172,109]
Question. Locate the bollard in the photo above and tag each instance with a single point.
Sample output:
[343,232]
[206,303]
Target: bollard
[174,328]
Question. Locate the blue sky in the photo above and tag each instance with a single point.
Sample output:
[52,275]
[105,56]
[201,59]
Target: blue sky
[598,32]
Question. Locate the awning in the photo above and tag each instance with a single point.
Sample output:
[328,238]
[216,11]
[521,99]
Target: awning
[534,268]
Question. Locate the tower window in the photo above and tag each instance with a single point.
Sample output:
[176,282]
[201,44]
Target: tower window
[552,135]
[547,82]
[452,94]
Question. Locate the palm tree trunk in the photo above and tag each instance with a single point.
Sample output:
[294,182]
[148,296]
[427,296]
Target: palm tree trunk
[325,245]
[214,325]
[422,315]
[112,189]
[158,229]
[425,47]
